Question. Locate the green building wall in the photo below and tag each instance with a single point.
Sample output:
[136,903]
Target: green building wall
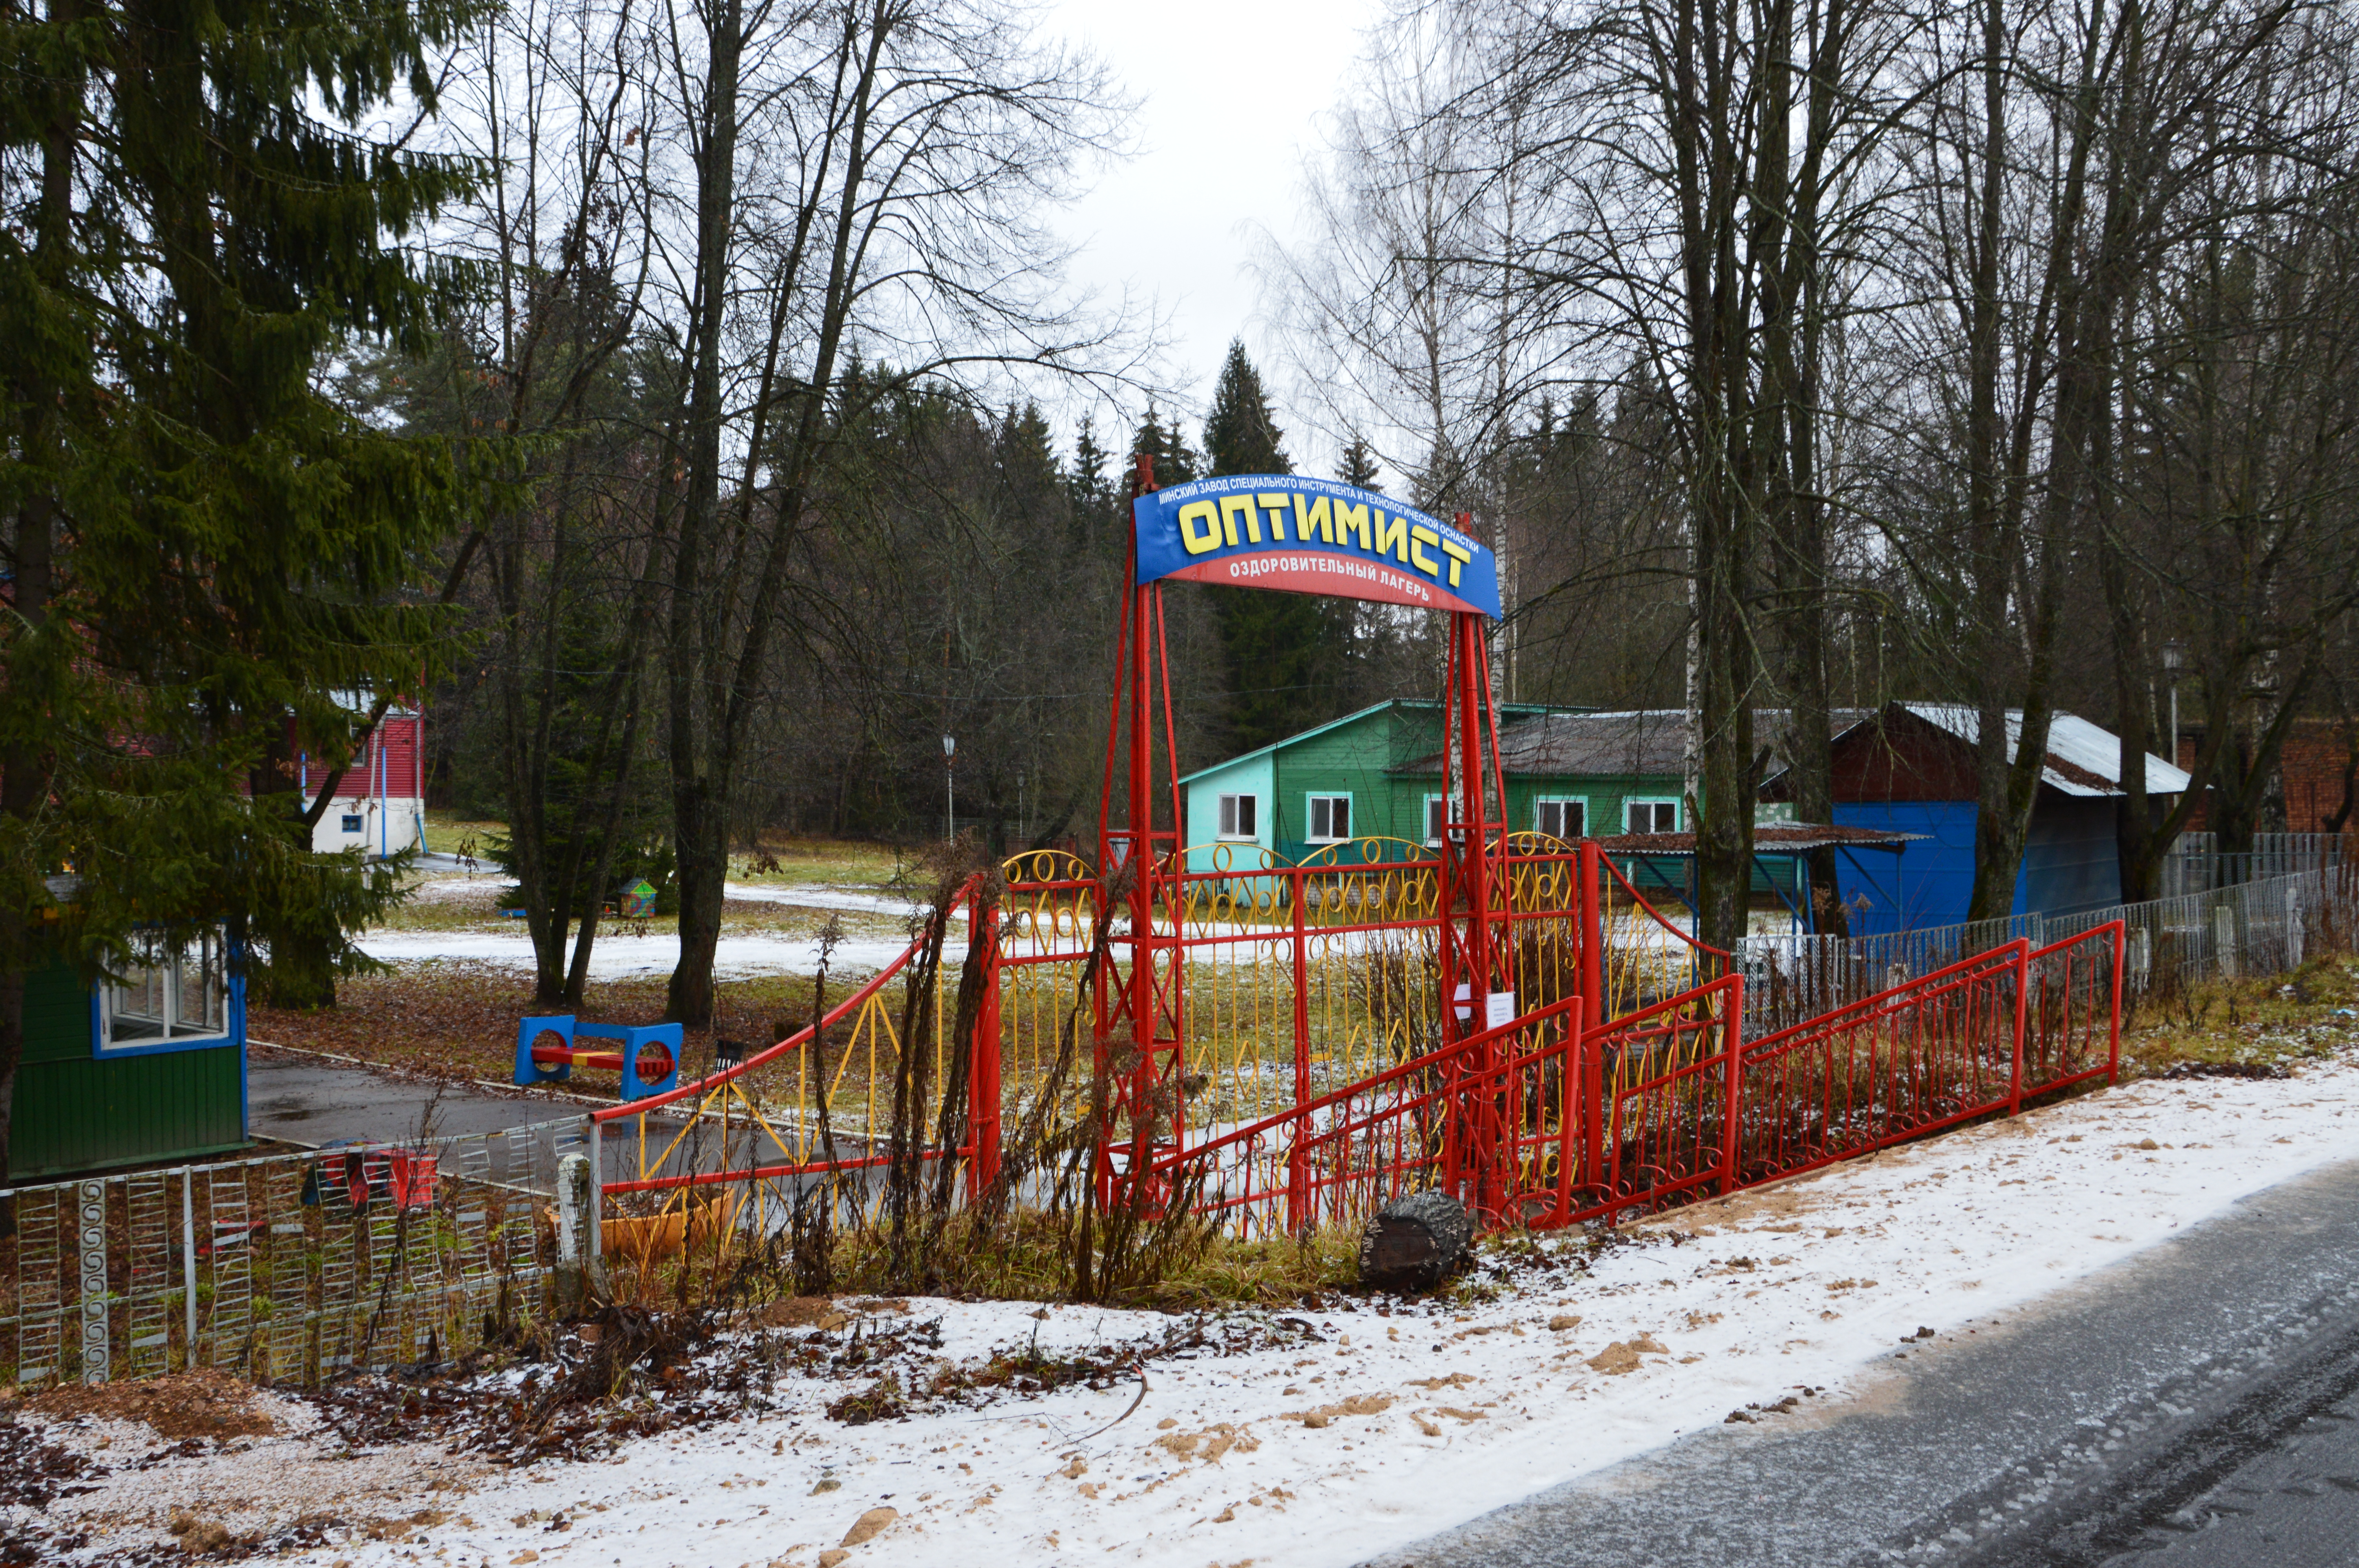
[74,1112]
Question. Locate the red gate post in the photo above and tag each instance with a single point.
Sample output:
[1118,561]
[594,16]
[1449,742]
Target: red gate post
[983,1086]
[2022,1015]
[1592,935]
[2113,1042]
[1298,1168]
[1592,1002]
[1733,1042]
[1144,1005]
[1472,1137]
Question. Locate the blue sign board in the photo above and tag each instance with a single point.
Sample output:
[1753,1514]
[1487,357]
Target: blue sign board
[1311,535]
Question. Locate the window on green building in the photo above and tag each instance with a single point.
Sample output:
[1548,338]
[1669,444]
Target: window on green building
[181,994]
[1565,817]
[1650,816]
[1330,817]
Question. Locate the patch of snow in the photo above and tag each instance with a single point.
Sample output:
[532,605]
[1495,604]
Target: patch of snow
[1424,1416]
[621,954]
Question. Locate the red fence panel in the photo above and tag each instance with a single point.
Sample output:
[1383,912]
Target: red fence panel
[2073,1010]
[1899,1064]
[1658,1087]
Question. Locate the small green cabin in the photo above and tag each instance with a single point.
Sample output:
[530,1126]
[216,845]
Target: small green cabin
[1333,784]
[150,1069]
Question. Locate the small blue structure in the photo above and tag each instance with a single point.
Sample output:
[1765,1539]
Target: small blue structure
[1909,768]
[648,1060]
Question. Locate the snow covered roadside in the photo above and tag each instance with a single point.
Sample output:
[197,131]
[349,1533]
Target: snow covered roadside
[1421,1417]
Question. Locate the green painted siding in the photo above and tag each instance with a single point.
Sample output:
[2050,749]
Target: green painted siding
[73,1112]
[1353,759]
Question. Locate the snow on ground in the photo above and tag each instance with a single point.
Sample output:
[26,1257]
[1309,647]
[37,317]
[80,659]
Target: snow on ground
[1421,1417]
[621,954]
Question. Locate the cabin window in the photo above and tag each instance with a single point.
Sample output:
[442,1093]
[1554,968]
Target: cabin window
[1440,811]
[1238,819]
[176,995]
[352,821]
[1650,816]
[1331,817]
[1560,818]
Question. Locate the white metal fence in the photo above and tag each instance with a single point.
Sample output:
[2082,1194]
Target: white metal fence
[286,1268]
[2195,863]
[2263,926]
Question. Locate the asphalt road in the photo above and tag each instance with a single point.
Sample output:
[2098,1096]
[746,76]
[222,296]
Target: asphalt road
[2196,1405]
[315,1101]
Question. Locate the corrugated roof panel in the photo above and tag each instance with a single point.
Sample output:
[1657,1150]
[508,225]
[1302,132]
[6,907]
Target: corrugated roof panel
[2082,759]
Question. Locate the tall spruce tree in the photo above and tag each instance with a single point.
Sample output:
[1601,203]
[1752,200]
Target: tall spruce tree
[205,557]
[1282,652]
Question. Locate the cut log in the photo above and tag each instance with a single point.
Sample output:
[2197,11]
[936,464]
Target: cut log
[1415,1242]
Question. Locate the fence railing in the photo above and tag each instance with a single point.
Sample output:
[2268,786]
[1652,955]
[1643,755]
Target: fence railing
[2238,927]
[2196,864]
[288,1268]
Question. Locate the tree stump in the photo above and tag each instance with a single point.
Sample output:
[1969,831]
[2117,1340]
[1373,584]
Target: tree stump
[1415,1242]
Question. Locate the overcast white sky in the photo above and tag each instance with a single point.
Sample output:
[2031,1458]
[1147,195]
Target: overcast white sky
[1234,94]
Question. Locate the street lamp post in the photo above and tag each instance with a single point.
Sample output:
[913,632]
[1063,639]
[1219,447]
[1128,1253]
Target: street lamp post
[2174,659]
[950,788]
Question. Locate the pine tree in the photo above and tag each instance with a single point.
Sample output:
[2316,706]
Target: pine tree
[1240,435]
[203,550]
[1174,463]
[1360,467]
[1283,653]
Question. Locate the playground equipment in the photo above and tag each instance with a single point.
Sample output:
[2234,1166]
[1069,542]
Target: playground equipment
[648,1060]
[1496,1015]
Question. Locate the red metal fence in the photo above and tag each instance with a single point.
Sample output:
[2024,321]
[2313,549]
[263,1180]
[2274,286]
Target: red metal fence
[1313,1080]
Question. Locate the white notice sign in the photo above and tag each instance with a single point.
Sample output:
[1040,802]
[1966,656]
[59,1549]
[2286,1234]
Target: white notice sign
[1501,1009]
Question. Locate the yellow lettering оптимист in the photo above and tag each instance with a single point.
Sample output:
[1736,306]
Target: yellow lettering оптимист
[1236,506]
[1207,541]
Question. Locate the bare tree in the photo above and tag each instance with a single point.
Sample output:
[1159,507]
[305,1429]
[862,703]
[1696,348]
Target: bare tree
[861,178]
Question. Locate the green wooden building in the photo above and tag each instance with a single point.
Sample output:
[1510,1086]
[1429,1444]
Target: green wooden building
[1569,772]
[122,1075]
[1350,779]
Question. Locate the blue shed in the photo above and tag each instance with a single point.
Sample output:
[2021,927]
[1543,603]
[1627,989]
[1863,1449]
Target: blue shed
[1910,767]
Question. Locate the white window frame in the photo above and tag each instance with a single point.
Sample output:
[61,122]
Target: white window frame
[217,1027]
[1579,800]
[1671,801]
[1311,834]
[1433,840]
[1227,816]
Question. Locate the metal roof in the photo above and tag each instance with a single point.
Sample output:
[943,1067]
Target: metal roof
[1521,714]
[2082,759]
[1769,839]
[1641,740]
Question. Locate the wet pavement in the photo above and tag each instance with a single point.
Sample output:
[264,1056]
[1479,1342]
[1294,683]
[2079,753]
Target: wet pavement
[2198,1404]
[303,1098]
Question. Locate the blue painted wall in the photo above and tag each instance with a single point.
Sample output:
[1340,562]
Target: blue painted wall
[1929,883]
[2070,863]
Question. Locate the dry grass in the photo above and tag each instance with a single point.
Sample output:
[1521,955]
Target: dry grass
[2266,1019]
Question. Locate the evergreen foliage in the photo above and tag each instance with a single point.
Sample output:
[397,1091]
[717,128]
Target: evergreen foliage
[1283,653]
[207,557]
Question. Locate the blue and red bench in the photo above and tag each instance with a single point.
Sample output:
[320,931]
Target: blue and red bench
[648,1057]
